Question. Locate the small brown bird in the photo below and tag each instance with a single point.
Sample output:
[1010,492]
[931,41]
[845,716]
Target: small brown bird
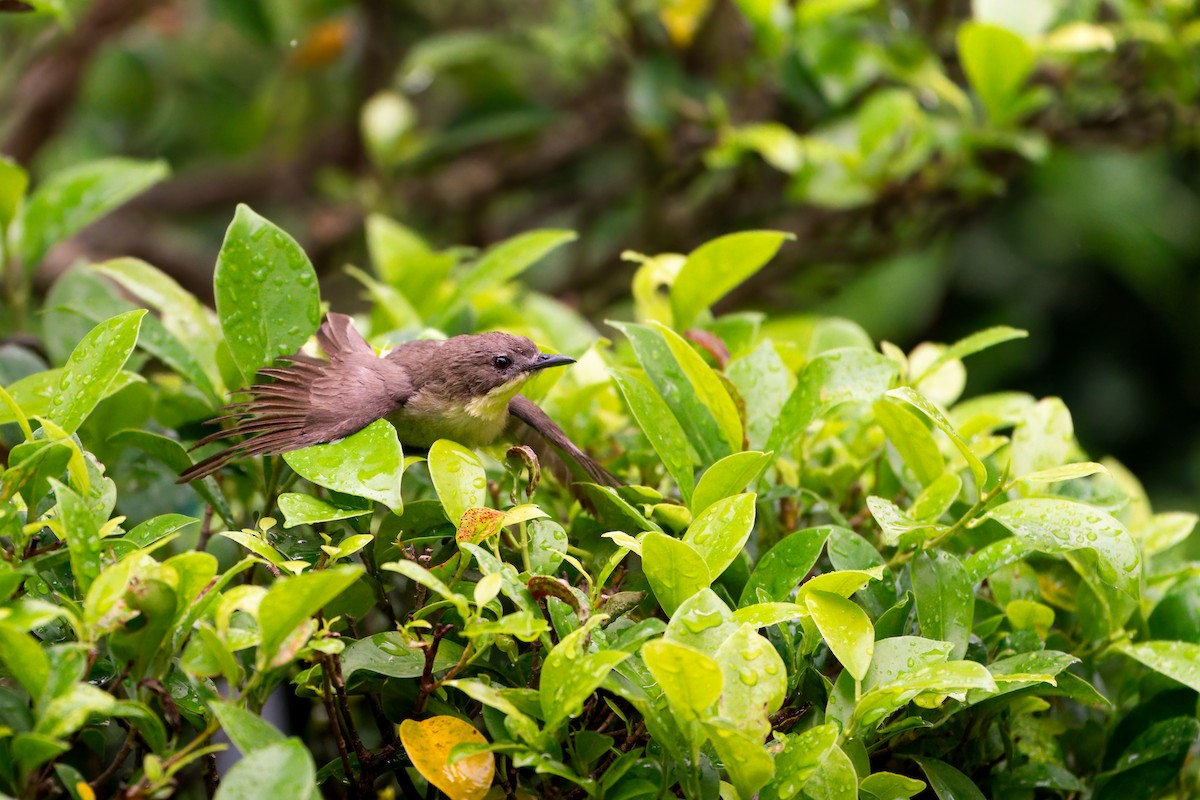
[463,388]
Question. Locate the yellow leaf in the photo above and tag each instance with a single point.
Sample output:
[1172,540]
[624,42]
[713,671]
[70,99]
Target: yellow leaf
[428,745]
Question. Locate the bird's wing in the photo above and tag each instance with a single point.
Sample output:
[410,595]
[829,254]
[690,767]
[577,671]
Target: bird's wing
[308,401]
[528,412]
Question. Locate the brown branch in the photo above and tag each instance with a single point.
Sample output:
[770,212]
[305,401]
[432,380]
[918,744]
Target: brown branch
[47,90]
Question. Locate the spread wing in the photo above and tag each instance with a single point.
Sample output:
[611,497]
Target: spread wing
[528,412]
[309,400]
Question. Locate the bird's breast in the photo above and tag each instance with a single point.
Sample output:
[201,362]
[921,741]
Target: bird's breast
[425,419]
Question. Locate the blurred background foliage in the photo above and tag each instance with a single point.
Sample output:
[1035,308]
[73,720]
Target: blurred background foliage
[946,165]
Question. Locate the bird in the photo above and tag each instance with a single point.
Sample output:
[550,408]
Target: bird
[464,388]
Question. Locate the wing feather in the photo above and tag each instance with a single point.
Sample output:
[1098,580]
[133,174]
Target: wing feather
[309,401]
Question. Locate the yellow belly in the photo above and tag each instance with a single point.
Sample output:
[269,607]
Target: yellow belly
[478,422]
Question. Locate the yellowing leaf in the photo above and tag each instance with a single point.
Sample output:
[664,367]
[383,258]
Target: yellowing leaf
[428,744]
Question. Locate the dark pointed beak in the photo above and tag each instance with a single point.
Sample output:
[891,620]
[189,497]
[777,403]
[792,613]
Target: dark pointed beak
[546,360]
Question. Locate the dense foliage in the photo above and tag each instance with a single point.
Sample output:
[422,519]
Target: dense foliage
[828,577]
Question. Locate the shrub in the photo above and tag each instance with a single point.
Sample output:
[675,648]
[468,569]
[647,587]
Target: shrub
[828,577]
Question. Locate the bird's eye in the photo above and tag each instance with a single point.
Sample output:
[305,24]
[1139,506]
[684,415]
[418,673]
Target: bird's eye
[502,362]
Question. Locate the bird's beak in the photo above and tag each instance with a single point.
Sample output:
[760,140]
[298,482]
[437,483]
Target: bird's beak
[546,360]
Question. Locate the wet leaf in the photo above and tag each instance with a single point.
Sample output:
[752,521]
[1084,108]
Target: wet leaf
[848,375]
[718,266]
[291,602]
[785,565]
[691,680]
[1177,660]
[727,477]
[845,628]
[266,292]
[674,569]
[283,769]
[92,367]
[571,674]
[428,744]
[304,509]
[458,478]
[945,599]
[755,681]
[367,464]
[663,431]
[720,533]
[947,782]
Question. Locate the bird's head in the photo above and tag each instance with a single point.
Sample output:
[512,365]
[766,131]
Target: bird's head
[492,365]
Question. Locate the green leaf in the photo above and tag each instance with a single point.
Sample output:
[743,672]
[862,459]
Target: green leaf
[73,198]
[764,381]
[889,786]
[404,261]
[720,533]
[850,375]
[755,681]
[691,680]
[674,569]
[845,628]
[31,750]
[292,601]
[182,314]
[936,498]
[93,365]
[798,760]
[82,535]
[980,340]
[266,291]
[900,654]
[367,464]
[746,761]
[933,679]
[69,709]
[1043,439]
[22,654]
[548,545]
[666,435]
[1177,660]
[173,454]
[1163,531]
[415,572]
[304,509]
[912,440]
[709,387]
[945,599]
[694,393]
[702,621]
[948,782]
[390,654]
[80,298]
[922,404]
[570,675]
[13,182]
[501,263]
[283,769]
[717,266]
[458,478]
[247,731]
[727,477]
[33,393]
[997,63]
[785,565]
[1051,525]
